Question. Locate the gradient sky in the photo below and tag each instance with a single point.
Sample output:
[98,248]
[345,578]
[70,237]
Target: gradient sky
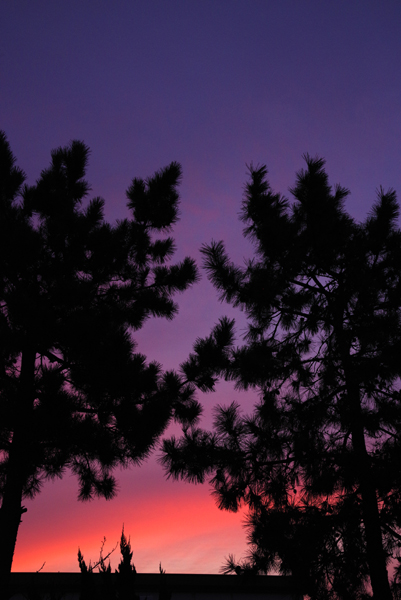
[215,85]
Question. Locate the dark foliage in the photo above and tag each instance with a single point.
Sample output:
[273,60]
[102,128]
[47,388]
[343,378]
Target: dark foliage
[121,584]
[74,392]
[318,461]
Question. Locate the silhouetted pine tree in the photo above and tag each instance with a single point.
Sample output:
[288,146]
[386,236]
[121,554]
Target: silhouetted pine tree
[318,461]
[120,585]
[74,394]
[126,571]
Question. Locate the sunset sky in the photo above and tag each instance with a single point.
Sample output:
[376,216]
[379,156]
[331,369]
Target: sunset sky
[214,85]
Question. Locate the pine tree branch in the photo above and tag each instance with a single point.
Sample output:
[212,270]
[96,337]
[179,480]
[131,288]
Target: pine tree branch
[391,531]
[304,285]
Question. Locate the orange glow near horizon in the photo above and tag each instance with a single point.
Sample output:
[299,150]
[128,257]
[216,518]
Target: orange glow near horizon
[186,533]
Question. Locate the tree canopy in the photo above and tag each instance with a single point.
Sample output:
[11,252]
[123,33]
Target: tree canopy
[317,462]
[74,392]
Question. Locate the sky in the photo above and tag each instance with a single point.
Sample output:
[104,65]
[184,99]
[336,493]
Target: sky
[215,85]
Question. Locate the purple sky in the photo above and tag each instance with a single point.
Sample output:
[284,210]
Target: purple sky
[214,85]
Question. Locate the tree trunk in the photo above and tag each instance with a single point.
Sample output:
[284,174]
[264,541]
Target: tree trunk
[371,518]
[16,476]
[370,511]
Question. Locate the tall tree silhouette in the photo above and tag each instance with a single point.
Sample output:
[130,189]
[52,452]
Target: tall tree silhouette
[318,461]
[74,394]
